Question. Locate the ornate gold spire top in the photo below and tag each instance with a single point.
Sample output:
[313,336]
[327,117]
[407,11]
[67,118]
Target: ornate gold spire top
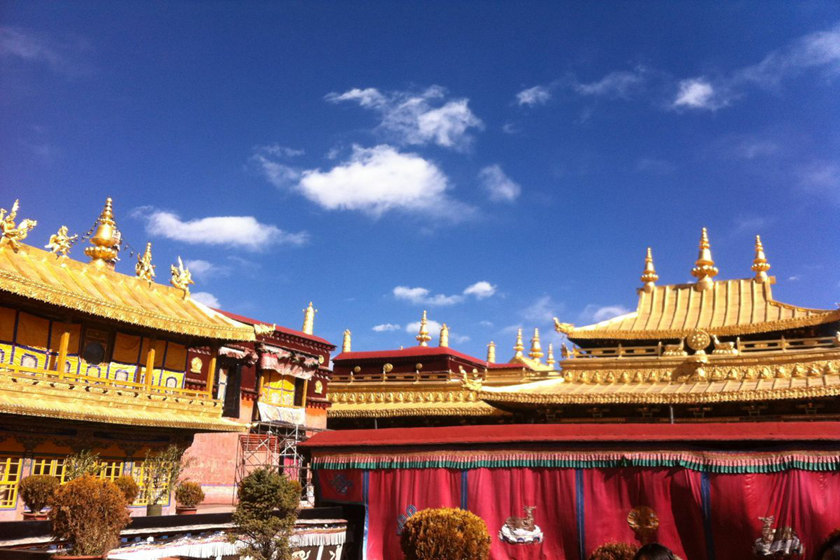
[549,360]
[491,353]
[536,348]
[12,234]
[60,242]
[181,277]
[106,239]
[423,337]
[309,319]
[518,347]
[649,276]
[704,269]
[144,267]
[760,265]
[345,343]
[444,336]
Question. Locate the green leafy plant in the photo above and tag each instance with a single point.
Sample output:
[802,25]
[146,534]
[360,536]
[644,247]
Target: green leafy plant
[614,551]
[37,490]
[161,472]
[128,486]
[89,513]
[454,534]
[80,464]
[265,515]
[189,494]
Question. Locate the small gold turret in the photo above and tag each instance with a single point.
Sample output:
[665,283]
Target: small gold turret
[105,240]
[760,265]
[704,269]
[309,319]
[491,353]
[518,347]
[144,267]
[649,276]
[423,337]
[536,352]
[444,336]
[345,343]
[549,360]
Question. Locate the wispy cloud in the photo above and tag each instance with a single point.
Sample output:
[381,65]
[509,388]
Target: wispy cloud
[480,290]
[596,313]
[821,178]
[432,326]
[619,84]
[386,327]
[542,310]
[699,93]
[417,118]
[206,298]
[751,224]
[202,269]
[236,231]
[62,57]
[499,187]
[537,95]
[424,296]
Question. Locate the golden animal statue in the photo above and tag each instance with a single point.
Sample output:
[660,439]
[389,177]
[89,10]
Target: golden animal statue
[727,348]
[526,523]
[563,328]
[181,277]
[144,267]
[675,349]
[13,234]
[60,243]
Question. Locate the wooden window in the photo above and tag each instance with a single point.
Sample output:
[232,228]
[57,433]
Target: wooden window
[10,468]
[49,466]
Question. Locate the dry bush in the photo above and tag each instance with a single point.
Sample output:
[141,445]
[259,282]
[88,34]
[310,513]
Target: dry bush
[454,534]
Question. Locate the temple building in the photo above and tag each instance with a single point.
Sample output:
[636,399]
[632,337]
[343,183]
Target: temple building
[426,385]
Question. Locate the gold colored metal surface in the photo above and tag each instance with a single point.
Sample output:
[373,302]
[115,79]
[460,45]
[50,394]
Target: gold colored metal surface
[181,277]
[346,341]
[406,401]
[491,353]
[444,336]
[649,275]
[518,347]
[698,340]
[144,268]
[12,234]
[106,239]
[264,330]
[536,352]
[423,337]
[35,274]
[309,319]
[704,269]
[60,243]
[563,328]
[550,361]
[760,265]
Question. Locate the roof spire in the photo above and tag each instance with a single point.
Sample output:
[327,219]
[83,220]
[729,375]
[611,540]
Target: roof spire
[309,319]
[105,240]
[444,336]
[704,269]
[760,265]
[518,347]
[423,337]
[649,276]
[345,343]
[491,353]
[536,348]
[549,360]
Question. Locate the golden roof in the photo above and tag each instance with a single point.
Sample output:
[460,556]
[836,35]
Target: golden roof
[97,290]
[384,400]
[727,307]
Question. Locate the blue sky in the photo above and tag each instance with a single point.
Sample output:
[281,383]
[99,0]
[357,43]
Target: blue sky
[496,163]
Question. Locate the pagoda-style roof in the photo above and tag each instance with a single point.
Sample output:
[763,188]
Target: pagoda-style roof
[727,307]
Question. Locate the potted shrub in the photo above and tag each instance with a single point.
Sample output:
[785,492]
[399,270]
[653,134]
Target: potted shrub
[88,513]
[454,534]
[36,492]
[614,551]
[160,474]
[128,486]
[187,497]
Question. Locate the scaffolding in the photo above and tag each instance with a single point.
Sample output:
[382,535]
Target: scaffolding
[272,445]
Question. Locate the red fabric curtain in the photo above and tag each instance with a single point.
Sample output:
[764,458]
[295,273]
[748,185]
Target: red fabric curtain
[673,494]
[496,494]
[340,486]
[394,495]
[807,501]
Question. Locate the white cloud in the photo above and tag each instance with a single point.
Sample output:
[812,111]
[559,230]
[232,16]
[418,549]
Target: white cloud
[432,326]
[537,95]
[61,57]
[619,84]
[794,278]
[386,327]
[380,179]
[202,269]
[498,185]
[698,93]
[418,118]
[822,178]
[751,224]
[237,231]
[480,290]
[596,313]
[542,310]
[206,298]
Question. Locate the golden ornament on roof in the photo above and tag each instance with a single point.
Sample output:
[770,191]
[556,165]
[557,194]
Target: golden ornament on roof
[181,277]
[760,265]
[60,243]
[423,337]
[106,239]
[346,341]
[444,336]
[144,267]
[264,330]
[649,276]
[13,234]
[549,360]
[563,328]
[536,348]
[491,353]
[518,347]
[704,268]
[309,319]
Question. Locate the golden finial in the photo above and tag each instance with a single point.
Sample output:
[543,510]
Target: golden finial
[105,240]
[181,277]
[491,353]
[144,267]
[536,348]
[13,234]
[704,269]
[345,343]
[60,242]
[423,337]
[649,276]
[563,328]
[444,336]
[309,319]
[760,265]
[518,347]
[549,360]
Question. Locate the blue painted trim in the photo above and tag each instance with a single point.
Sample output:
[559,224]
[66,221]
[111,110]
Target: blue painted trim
[365,483]
[464,496]
[706,501]
[579,510]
